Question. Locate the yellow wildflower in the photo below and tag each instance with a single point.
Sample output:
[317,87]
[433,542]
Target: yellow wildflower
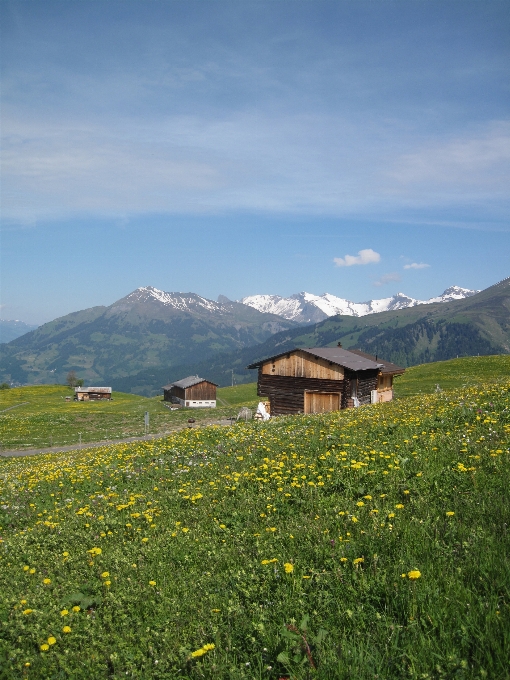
[289,568]
[152,583]
[450,513]
[28,611]
[66,629]
[52,640]
[44,647]
[64,612]
[414,574]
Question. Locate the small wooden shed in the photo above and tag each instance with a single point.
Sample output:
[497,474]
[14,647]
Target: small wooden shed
[322,379]
[92,393]
[192,392]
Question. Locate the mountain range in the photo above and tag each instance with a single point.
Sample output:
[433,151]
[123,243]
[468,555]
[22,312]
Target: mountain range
[10,329]
[479,324]
[148,327]
[151,336]
[310,308]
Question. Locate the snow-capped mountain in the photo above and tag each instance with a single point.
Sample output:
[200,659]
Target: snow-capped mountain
[180,301]
[309,308]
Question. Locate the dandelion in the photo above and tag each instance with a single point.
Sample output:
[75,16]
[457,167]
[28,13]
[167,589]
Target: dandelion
[47,581]
[403,575]
[44,647]
[185,530]
[358,560]
[66,629]
[360,504]
[65,554]
[399,506]
[289,568]
[76,608]
[52,640]
[107,583]
[450,513]
[152,583]
[343,559]
[414,574]
[144,540]
[269,561]
[27,611]
[105,574]
[95,551]
[64,612]
[203,650]
[26,568]
[32,571]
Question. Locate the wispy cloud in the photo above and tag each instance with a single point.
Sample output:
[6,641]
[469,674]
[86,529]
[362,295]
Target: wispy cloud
[366,256]
[416,265]
[387,278]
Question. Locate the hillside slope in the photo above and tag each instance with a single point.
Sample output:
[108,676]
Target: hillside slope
[146,328]
[434,332]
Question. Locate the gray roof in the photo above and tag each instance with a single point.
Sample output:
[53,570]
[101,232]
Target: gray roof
[387,367]
[337,355]
[187,382]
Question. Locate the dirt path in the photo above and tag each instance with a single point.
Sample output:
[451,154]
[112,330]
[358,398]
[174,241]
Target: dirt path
[15,406]
[110,442]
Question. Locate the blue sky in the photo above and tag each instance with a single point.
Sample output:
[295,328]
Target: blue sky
[249,147]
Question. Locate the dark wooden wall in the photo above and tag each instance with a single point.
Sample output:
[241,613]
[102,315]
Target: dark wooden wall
[287,394]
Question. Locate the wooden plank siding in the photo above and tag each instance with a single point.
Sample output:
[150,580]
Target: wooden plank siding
[203,391]
[287,393]
[300,365]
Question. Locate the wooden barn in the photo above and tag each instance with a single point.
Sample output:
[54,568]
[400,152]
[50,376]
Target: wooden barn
[321,379]
[92,393]
[193,392]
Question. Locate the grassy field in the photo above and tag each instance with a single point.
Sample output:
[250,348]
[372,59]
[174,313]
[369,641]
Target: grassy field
[238,395]
[451,374]
[369,543]
[39,416]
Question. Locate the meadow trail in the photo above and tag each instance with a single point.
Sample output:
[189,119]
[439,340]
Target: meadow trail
[16,453]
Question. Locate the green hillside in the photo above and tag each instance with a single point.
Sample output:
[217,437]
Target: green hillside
[137,332]
[369,543]
[452,374]
[39,417]
[478,325]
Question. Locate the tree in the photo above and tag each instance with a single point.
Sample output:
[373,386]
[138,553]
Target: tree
[71,379]
[5,386]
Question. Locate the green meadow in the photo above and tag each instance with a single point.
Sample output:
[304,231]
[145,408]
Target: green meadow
[464,372]
[38,416]
[368,543]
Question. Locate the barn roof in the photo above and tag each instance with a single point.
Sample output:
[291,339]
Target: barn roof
[387,366]
[105,390]
[354,360]
[187,382]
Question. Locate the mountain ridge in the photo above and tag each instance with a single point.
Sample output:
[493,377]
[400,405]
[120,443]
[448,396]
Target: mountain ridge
[310,308]
[146,327]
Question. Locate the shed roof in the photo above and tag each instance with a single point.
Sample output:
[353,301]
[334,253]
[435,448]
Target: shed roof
[353,360]
[387,366]
[187,382]
[105,390]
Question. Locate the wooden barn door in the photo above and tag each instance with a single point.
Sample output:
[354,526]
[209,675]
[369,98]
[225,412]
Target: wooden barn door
[321,402]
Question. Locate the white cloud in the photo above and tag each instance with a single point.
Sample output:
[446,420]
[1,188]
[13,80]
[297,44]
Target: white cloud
[387,278]
[366,256]
[416,265]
